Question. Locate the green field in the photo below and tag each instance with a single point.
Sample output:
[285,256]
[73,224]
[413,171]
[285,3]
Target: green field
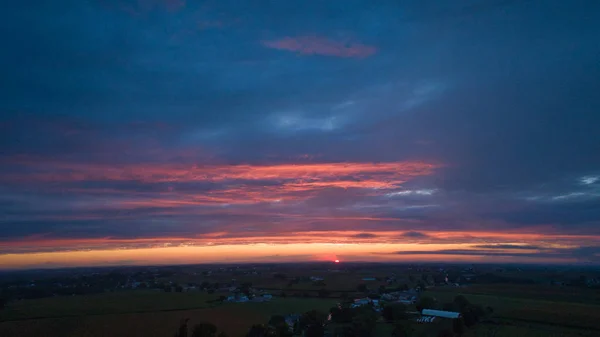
[536,314]
[141,314]
[485,330]
[539,292]
[518,311]
[106,303]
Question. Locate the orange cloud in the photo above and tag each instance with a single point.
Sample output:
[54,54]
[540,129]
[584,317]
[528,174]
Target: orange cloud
[312,45]
[508,242]
[384,175]
[297,246]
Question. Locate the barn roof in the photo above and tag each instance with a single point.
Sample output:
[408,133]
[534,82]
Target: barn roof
[440,313]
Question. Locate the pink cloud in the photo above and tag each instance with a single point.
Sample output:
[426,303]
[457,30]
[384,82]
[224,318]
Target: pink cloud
[312,45]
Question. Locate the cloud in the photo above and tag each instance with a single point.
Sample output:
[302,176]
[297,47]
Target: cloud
[364,236]
[298,176]
[406,134]
[588,254]
[589,180]
[509,246]
[411,192]
[313,45]
[414,235]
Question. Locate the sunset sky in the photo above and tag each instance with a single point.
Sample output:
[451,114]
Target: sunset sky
[173,131]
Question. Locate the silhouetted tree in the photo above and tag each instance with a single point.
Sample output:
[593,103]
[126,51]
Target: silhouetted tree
[472,315]
[403,329]
[315,331]
[458,326]
[425,302]
[364,322]
[178,288]
[342,315]
[343,331]
[276,320]
[258,330]
[311,322]
[445,333]
[462,303]
[394,312]
[278,323]
[204,330]
[245,288]
[450,307]
[183,328]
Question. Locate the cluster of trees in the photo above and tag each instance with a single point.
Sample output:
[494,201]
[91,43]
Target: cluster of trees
[471,313]
[359,321]
[168,288]
[352,322]
[198,330]
[310,324]
[394,312]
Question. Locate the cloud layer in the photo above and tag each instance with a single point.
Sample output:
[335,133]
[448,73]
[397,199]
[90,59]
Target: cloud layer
[458,129]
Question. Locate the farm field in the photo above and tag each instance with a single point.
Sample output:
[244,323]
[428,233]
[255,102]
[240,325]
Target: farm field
[106,303]
[539,292]
[232,318]
[525,330]
[530,311]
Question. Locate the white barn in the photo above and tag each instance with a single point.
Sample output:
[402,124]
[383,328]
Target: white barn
[440,313]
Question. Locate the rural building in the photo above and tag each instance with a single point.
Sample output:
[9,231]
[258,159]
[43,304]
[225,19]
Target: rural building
[237,298]
[426,319]
[440,313]
[291,320]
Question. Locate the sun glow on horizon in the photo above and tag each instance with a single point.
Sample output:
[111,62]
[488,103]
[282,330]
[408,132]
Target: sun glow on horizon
[259,253]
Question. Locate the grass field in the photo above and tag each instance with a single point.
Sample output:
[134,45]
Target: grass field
[106,303]
[485,330]
[96,321]
[540,292]
[532,311]
[518,311]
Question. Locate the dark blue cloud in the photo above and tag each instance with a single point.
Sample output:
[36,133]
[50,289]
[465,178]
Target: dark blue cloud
[105,105]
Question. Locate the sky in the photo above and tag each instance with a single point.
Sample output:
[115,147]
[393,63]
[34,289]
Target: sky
[178,131]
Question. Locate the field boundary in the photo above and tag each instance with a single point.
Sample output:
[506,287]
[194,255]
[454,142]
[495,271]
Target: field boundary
[105,314]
